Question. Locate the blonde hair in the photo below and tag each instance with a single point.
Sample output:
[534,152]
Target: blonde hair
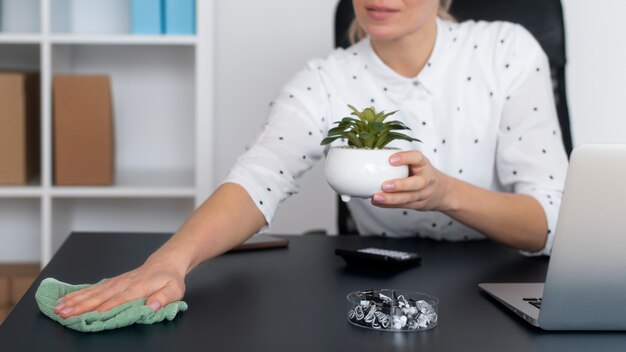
[356,32]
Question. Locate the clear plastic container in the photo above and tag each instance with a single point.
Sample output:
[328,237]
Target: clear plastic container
[392,310]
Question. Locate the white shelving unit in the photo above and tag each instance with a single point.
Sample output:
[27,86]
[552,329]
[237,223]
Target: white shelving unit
[163,109]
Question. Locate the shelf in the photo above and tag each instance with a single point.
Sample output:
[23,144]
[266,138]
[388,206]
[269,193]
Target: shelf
[162,100]
[32,189]
[19,38]
[19,56]
[117,215]
[20,219]
[20,192]
[136,184]
[153,115]
[165,40]
[75,39]
[122,192]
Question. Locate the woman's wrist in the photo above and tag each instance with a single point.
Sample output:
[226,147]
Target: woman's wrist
[172,258]
[450,197]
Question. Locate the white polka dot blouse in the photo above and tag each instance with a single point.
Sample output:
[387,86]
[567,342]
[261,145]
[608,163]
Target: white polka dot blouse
[483,107]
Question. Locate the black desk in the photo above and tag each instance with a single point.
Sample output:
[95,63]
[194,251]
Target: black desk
[294,300]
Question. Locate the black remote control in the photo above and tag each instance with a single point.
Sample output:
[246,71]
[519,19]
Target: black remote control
[379,257]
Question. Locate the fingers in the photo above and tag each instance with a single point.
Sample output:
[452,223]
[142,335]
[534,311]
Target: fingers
[418,179]
[400,198]
[109,297]
[74,297]
[87,299]
[169,293]
[76,293]
[412,183]
[403,191]
[81,295]
[413,191]
[411,157]
[418,205]
[85,302]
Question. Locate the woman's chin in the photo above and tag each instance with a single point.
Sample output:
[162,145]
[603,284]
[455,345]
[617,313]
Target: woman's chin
[384,32]
[383,35]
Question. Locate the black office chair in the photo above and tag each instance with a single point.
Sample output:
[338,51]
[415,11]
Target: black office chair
[543,18]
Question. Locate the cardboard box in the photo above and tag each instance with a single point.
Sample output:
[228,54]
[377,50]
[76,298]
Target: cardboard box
[19,286]
[4,291]
[19,127]
[83,130]
[16,269]
[4,312]
[15,279]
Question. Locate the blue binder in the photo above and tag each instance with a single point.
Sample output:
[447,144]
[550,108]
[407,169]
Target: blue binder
[180,16]
[147,16]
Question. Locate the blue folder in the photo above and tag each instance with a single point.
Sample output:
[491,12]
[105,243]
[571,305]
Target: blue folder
[147,16]
[180,16]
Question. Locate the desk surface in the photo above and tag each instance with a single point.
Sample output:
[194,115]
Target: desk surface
[294,300]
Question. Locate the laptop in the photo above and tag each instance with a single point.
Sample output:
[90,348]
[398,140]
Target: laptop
[585,286]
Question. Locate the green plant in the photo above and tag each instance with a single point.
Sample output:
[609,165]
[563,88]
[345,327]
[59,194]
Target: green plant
[368,131]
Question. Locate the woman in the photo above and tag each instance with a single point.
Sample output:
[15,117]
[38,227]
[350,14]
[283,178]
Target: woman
[477,94]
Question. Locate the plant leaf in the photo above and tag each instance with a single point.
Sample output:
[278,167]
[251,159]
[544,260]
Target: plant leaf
[353,140]
[383,139]
[336,130]
[364,134]
[383,116]
[354,110]
[329,140]
[396,125]
[377,126]
[393,136]
[368,130]
[369,114]
[349,120]
[370,141]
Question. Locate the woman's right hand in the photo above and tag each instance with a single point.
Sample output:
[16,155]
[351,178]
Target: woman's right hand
[223,221]
[161,281]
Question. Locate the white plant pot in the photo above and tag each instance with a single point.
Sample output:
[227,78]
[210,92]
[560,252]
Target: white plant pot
[356,172]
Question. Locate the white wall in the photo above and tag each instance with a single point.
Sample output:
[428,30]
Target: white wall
[260,44]
[596,73]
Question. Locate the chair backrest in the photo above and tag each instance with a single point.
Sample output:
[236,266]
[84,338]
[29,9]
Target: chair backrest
[543,18]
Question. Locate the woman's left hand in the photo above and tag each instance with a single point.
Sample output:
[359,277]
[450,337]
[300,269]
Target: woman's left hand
[426,188]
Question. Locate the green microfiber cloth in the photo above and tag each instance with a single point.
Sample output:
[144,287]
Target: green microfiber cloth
[123,315]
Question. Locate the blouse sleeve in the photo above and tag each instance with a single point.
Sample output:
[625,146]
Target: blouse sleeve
[530,156]
[289,144]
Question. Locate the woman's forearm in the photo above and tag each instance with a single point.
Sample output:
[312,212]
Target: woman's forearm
[227,218]
[515,220]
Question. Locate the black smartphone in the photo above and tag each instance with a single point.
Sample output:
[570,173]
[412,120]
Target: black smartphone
[379,257]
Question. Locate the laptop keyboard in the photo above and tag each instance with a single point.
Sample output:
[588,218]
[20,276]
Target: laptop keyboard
[536,302]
